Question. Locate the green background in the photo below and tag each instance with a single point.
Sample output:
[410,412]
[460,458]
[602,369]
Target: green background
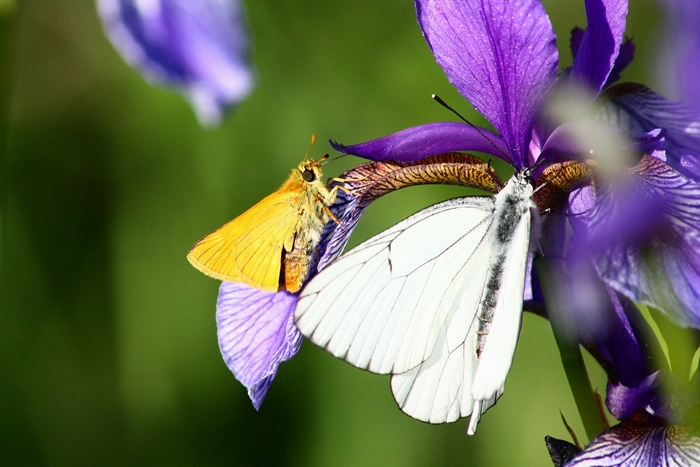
[108,347]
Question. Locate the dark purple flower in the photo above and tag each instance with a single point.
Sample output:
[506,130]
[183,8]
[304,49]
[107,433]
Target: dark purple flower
[656,410]
[501,55]
[201,48]
[641,442]
[645,237]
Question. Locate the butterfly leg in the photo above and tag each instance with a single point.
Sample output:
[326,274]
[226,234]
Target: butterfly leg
[343,188]
[331,215]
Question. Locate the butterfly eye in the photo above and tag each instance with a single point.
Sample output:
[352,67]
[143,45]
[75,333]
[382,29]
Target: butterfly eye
[308,175]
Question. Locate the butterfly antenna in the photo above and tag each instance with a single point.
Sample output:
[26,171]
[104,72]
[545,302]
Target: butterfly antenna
[478,130]
[335,158]
[313,140]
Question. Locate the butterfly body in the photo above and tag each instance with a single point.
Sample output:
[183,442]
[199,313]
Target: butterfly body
[435,301]
[271,245]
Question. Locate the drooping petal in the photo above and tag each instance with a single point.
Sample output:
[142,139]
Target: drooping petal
[641,443]
[256,333]
[638,109]
[202,48]
[611,323]
[370,181]
[648,241]
[501,55]
[681,52]
[600,45]
[624,401]
[428,140]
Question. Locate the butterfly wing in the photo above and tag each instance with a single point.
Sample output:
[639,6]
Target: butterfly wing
[498,352]
[405,303]
[249,248]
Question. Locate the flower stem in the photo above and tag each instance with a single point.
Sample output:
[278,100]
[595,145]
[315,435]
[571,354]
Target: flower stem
[552,274]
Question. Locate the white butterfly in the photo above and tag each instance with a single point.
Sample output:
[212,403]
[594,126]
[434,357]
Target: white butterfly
[435,301]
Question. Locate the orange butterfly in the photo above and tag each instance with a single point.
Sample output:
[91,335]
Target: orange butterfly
[270,246]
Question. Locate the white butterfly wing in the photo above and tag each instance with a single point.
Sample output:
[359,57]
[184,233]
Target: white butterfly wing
[418,300]
[404,302]
[382,305]
[439,389]
[497,355]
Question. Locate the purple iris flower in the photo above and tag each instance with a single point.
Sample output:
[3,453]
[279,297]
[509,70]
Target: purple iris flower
[501,56]
[656,426]
[201,48]
[639,233]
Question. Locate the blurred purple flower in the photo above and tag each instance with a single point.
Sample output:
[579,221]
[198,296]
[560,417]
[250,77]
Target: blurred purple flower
[656,426]
[201,48]
[680,54]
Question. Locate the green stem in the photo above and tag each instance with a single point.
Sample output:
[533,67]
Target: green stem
[552,274]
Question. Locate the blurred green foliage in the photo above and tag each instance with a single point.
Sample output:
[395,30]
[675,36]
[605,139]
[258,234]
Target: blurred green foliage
[107,335]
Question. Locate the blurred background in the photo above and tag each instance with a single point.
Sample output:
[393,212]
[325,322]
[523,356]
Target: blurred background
[107,335]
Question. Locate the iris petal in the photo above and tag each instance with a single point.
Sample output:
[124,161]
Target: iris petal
[256,333]
[638,109]
[201,48]
[648,243]
[680,55]
[600,45]
[641,443]
[432,139]
[501,55]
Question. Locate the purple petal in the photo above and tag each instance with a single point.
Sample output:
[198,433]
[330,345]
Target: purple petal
[428,140]
[341,235]
[650,242]
[501,55]
[611,327]
[335,237]
[256,333]
[637,109]
[624,401]
[202,48]
[681,51]
[604,316]
[641,443]
[572,139]
[600,45]
[624,58]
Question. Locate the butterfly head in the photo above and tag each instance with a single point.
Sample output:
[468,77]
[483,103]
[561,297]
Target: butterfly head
[310,170]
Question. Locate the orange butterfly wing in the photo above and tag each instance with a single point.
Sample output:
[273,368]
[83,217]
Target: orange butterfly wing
[249,248]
